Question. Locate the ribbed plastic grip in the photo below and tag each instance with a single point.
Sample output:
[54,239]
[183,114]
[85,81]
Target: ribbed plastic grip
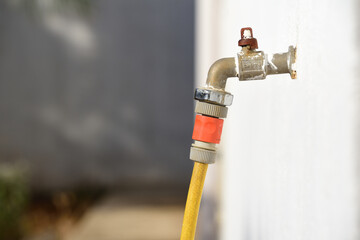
[211,109]
[202,155]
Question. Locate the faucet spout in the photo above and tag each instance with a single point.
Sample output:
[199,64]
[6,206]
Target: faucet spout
[219,72]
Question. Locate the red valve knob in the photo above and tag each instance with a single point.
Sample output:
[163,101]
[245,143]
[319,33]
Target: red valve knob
[247,38]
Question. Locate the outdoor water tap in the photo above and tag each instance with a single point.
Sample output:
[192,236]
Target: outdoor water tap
[212,100]
[211,108]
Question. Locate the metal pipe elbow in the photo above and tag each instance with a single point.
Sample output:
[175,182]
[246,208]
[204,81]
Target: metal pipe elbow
[220,71]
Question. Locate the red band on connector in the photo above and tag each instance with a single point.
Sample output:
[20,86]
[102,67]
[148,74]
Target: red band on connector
[207,129]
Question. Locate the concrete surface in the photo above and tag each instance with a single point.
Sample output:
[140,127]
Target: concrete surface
[134,218]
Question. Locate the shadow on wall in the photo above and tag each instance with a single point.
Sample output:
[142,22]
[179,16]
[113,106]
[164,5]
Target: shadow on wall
[97,93]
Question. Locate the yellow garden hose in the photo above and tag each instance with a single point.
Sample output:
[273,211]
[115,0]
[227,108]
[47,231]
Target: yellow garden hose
[211,109]
[193,201]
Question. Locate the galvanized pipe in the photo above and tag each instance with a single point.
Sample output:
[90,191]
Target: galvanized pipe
[277,63]
[282,63]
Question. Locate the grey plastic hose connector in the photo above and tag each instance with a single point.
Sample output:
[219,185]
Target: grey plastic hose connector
[211,109]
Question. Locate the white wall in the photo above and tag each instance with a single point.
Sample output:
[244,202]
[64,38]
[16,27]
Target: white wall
[290,160]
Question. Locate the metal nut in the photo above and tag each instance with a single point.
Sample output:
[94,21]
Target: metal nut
[217,97]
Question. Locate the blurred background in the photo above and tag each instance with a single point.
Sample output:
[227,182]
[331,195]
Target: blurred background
[95,104]
[96,117]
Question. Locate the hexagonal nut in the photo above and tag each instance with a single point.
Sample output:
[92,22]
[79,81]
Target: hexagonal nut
[213,96]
